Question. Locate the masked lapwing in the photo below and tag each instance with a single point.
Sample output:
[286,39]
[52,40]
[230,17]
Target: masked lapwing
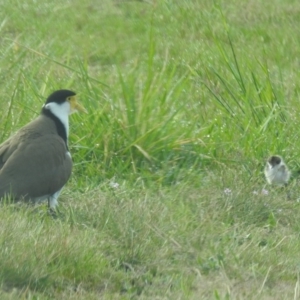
[276,171]
[35,163]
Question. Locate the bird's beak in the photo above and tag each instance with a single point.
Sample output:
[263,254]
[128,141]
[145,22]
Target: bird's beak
[76,106]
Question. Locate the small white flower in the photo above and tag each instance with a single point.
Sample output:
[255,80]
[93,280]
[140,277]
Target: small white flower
[114,185]
[227,191]
[255,192]
[265,192]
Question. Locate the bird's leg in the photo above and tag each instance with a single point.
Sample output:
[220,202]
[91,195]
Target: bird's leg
[51,209]
[288,194]
[53,204]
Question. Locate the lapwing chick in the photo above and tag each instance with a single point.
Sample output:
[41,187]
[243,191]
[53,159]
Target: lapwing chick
[276,171]
[35,163]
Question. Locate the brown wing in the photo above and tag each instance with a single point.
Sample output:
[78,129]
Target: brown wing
[5,148]
[34,169]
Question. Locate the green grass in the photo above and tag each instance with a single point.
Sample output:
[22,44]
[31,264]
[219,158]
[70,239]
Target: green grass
[167,199]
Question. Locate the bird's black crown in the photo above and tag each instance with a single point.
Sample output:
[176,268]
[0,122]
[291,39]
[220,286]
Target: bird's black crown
[60,96]
[274,160]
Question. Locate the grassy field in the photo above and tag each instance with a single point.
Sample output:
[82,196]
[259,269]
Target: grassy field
[167,199]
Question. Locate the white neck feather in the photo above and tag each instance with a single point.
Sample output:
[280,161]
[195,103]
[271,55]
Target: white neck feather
[61,111]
